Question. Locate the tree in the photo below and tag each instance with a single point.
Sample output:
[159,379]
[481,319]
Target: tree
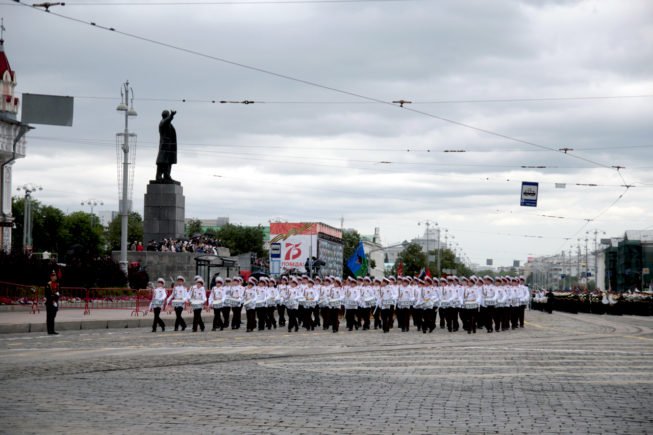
[83,240]
[350,240]
[134,230]
[412,258]
[48,230]
[240,239]
[193,227]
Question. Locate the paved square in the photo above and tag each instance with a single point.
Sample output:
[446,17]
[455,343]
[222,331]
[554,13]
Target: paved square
[561,374]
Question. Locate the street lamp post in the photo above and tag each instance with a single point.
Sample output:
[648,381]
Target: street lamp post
[92,203]
[126,105]
[27,211]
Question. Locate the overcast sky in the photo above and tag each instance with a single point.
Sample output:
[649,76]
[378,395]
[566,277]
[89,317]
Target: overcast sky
[305,153]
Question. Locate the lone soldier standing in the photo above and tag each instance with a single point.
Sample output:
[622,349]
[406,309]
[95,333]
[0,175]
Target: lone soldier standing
[167,148]
[51,302]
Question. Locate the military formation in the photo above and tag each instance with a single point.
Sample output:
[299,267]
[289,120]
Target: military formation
[474,303]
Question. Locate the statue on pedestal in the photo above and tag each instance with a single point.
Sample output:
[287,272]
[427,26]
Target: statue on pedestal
[167,149]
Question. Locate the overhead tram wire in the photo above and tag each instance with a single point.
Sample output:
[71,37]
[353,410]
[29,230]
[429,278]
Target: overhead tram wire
[232,3]
[314,84]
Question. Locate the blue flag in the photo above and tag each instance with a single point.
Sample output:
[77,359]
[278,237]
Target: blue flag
[357,263]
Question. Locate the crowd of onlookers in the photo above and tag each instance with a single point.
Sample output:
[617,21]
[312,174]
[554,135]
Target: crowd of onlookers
[199,245]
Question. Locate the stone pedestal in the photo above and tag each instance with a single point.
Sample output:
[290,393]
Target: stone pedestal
[164,212]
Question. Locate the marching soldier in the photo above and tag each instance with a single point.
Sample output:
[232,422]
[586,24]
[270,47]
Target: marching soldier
[352,295]
[250,301]
[51,302]
[291,302]
[488,305]
[471,303]
[367,298]
[404,301]
[236,296]
[377,305]
[503,305]
[261,303]
[387,300]
[197,302]
[178,298]
[272,300]
[159,296]
[311,295]
[524,299]
[226,309]
[216,301]
[282,288]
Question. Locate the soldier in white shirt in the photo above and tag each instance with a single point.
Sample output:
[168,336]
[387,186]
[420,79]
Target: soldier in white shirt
[503,304]
[367,299]
[488,306]
[427,299]
[386,303]
[216,299]
[250,301]
[352,296]
[271,302]
[236,293]
[282,289]
[197,301]
[404,301]
[524,299]
[179,297]
[291,302]
[325,307]
[226,309]
[471,303]
[312,296]
[159,296]
[449,301]
[261,302]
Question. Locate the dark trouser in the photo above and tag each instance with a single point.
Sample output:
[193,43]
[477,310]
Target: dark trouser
[292,320]
[179,321]
[497,318]
[50,314]
[464,318]
[471,315]
[377,317]
[235,320]
[386,318]
[316,316]
[217,321]
[428,319]
[261,317]
[334,321]
[442,317]
[300,315]
[403,319]
[514,317]
[251,319]
[520,315]
[281,309]
[449,314]
[325,312]
[454,312]
[308,318]
[359,316]
[225,316]
[157,320]
[365,315]
[350,317]
[504,315]
[197,319]
[417,317]
[269,319]
[487,315]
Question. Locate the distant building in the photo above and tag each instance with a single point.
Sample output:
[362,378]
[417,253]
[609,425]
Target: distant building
[375,253]
[10,148]
[625,263]
[106,216]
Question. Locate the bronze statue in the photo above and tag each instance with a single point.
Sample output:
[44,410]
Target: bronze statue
[167,148]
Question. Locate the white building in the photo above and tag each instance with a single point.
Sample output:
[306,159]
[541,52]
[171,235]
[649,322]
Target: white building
[12,145]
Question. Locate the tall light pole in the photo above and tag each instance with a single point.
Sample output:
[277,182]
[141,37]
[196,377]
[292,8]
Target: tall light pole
[126,105]
[27,211]
[92,203]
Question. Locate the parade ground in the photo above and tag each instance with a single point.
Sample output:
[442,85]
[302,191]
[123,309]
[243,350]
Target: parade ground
[561,374]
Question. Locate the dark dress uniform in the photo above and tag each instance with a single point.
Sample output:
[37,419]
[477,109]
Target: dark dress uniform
[51,305]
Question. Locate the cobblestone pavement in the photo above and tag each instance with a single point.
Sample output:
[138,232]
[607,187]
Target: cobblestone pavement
[561,374]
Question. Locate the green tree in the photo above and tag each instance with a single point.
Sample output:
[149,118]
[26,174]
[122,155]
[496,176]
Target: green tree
[240,239]
[134,230]
[82,239]
[48,230]
[412,258]
[350,239]
[193,227]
